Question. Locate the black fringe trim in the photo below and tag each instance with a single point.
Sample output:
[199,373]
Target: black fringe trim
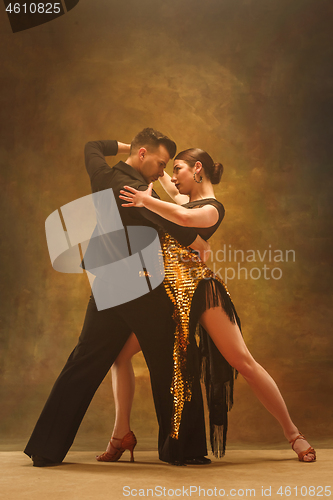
[216,373]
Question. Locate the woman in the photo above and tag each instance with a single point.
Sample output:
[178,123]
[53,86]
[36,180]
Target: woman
[206,301]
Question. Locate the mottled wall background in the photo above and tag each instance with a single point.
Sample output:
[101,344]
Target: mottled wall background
[248,80]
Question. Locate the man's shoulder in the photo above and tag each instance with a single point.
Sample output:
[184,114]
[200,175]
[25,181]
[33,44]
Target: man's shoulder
[117,177]
[124,174]
[123,169]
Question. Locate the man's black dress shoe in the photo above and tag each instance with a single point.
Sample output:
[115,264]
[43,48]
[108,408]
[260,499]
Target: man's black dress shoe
[198,461]
[41,461]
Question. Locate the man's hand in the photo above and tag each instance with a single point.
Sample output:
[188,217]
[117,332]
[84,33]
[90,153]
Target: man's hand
[201,246]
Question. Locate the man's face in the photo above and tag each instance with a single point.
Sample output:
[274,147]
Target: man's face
[153,163]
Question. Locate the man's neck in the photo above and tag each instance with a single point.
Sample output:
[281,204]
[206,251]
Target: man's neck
[131,161]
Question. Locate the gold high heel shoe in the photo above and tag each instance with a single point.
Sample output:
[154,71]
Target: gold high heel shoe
[302,454]
[128,442]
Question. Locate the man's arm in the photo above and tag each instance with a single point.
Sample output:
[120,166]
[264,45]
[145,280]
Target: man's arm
[94,155]
[185,235]
[95,152]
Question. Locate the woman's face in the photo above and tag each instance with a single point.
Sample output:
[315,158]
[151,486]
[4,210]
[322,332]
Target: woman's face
[182,176]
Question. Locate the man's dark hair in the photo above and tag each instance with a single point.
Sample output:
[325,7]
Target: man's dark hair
[152,139]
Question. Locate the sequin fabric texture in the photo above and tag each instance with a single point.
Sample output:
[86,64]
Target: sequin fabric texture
[183,272]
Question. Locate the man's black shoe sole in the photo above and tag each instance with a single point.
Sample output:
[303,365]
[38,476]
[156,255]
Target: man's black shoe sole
[42,462]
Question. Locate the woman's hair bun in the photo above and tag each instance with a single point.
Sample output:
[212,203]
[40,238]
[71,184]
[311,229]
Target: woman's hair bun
[212,170]
[216,173]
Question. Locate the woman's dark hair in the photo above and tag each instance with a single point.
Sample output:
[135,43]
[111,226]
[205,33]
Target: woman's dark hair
[212,170]
[152,139]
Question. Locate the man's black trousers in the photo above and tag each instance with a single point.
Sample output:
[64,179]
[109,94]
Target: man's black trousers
[103,335]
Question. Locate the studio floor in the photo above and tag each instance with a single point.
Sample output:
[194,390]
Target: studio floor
[249,473]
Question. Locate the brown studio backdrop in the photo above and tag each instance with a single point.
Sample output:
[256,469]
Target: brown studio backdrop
[250,82]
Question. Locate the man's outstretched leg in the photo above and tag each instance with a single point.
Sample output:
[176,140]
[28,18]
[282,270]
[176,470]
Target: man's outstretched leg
[103,335]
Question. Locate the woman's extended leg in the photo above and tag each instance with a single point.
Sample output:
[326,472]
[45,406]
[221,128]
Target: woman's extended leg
[229,341]
[123,385]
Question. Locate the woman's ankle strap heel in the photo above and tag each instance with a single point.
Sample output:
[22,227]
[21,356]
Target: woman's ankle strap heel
[128,442]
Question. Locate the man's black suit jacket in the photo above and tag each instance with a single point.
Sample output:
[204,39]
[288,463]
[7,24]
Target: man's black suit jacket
[103,177]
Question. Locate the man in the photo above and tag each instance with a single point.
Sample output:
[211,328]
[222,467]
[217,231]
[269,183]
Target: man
[105,331]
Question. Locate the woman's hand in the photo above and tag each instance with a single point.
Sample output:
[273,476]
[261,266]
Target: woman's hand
[123,148]
[134,197]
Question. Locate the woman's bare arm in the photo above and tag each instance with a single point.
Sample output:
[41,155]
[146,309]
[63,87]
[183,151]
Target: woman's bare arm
[206,216]
[172,191]
[123,148]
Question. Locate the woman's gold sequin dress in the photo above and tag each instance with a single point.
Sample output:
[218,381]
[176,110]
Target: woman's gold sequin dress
[193,288]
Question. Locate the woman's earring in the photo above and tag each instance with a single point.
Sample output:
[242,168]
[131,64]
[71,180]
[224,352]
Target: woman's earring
[198,182]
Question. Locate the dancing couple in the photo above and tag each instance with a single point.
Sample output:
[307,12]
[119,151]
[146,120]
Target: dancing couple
[162,323]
